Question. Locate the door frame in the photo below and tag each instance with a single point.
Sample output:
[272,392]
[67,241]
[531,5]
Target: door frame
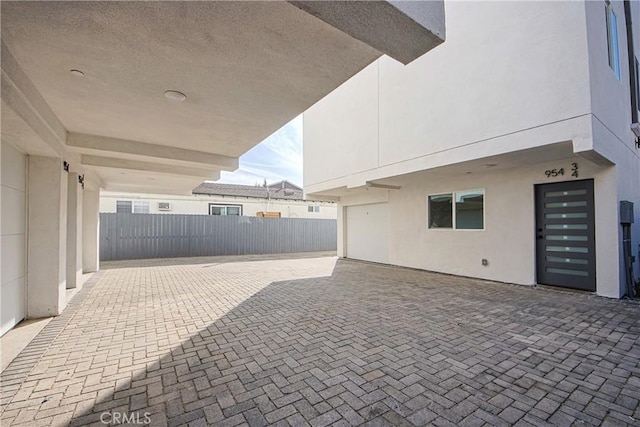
[566,281]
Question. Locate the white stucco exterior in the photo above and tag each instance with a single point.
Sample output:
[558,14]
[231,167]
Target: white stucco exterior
[47,239]
[517,89]
[199,205]
[13,184]
[90,230]
[44,216]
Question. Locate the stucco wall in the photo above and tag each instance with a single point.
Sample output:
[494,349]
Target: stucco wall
[198,204]
[610,105]
[505,67]
[510,77]
[610,97]
[13,187]
[508,240]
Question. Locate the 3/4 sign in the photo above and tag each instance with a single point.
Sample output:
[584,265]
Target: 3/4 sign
[574,170]
[552,173]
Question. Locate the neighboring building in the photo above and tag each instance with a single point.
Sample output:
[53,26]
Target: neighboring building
[503,154]
[155,97]
[210,198]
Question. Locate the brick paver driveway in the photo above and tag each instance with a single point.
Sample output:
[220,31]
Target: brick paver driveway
[277,341]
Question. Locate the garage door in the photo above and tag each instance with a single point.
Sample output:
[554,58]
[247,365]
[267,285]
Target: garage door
[13,268]
[368,232]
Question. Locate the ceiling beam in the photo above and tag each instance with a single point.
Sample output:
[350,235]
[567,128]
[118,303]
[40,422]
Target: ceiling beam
[145,189]
[116,163]
[92,143]
[21,97]
[371,184]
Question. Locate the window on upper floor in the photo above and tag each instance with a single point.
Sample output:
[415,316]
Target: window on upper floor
[612,39]
[313,208]
[224,210]
[467,213]
[637,84]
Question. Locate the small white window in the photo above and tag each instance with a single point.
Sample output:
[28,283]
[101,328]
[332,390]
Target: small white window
[123,206]
[233,210]
[140,207]
[313,208]
[612,39]
[466,214]
[470,210]
[224,210]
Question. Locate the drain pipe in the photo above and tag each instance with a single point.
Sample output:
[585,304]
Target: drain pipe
[626,219]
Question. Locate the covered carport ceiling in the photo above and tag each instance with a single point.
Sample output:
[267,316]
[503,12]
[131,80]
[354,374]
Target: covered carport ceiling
[247,68]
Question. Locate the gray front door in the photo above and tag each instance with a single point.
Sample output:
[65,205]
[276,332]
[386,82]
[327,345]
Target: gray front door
[565,235]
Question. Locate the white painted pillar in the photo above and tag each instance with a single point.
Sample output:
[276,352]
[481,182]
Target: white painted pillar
[47,241]
[90,230]
[341,230]
[609,274]
[74,231]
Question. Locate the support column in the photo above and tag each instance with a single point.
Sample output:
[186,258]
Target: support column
[341,230]
[90,230]
[74,231]
[47,241]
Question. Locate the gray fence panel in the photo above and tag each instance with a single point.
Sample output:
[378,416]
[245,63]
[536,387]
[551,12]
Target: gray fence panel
[137,236]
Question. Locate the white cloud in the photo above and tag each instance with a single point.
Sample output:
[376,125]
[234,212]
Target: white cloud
[276,158]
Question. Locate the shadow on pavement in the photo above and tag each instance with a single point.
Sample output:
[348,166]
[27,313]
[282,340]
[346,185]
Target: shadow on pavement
[393,347]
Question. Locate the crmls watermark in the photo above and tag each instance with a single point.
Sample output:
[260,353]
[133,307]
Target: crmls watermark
[132,418]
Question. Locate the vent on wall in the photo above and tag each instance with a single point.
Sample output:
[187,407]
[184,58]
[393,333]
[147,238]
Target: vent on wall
[164,206]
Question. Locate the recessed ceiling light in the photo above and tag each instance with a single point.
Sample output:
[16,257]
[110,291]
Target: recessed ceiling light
[77,73]
[151,179]
[490,165]
[175,96]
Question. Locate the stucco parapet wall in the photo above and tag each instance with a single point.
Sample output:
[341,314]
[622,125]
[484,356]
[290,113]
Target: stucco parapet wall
[404,30]
[539,144]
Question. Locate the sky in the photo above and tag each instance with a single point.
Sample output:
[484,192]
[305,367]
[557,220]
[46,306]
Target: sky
[276,158]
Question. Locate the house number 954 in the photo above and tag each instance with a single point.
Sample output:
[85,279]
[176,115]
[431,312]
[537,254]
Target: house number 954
[551,173]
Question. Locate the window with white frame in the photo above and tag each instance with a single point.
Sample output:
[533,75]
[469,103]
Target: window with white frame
[612,39]
[224,210]
[140,206]
[313,208]
[127,206]
[460,210]
[123,206]
[441,211]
